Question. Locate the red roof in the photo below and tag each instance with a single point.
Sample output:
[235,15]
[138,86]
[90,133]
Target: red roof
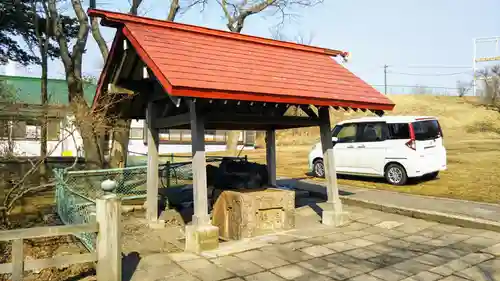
[200,62]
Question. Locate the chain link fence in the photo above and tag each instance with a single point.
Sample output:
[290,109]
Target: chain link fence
[76,191]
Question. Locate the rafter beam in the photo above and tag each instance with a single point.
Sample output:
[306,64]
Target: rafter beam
[172,121]
[115,89]
[262,120]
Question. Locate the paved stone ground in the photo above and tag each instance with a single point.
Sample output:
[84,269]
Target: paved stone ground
[373,246]
[464,208]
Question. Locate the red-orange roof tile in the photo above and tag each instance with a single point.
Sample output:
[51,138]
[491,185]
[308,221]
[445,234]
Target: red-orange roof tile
[206,63]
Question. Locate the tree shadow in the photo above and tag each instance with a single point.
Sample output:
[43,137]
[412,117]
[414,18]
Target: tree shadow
[129,265]
[381,180]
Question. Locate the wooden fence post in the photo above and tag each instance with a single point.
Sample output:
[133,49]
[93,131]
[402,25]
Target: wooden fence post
[17,260]
[109,254]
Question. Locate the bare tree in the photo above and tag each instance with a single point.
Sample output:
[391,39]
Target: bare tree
[490,78]
[463,88]
[237,11]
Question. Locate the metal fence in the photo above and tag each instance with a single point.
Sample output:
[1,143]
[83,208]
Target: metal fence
[76,191]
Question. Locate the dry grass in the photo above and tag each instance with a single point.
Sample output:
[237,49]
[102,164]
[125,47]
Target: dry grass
[472,140]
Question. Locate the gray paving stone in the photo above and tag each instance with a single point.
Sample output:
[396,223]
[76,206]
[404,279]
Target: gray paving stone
[394,233]
[336,237]
[437,242]
[432,233]
[340,246]
[264,276]
[466,247]
[313,277]
[390,274]
[356,233]
[449,253]
[340,273]
[490,234]
[321,240]
[481,241]
[411,228]
[234,279]
[376,230]
[156,260]
[453,278]
[486,271]
[475,258]
[237,266]
[397,243]
[494,250]
[290,272]
[180,277]
[347,261]
[296,245]
[262,259]
[416,238]
[358,242]
[424,276]
[454,237]
[205,270]
[380,248]
[365,277]
[377,238]
[317,264]
[287,254]
[183,256]
[431,260]
[412,266]
[386,260]
[445,228]
[362,253]
[450,267]
[355,226]
[317,251]
[403,253]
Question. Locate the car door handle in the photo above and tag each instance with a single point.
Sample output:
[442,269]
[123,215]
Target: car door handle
[350,146]
[361,146]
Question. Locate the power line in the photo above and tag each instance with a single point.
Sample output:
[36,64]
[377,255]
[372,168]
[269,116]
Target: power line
[429,74]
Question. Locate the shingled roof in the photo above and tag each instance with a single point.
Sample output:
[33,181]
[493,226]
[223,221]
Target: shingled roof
[193,61]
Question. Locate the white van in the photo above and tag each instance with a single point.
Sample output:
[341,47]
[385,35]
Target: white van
[394,147]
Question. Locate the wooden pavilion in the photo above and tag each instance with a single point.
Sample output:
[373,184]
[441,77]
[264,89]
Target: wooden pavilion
[189,77]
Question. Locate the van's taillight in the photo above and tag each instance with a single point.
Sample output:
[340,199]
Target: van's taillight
[412,143]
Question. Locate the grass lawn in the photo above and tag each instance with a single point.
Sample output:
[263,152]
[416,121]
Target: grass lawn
[473,171]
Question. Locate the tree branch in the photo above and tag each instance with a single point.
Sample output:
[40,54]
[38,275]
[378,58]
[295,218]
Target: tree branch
[63,43]
[96,33]
[81,39]
[174,9]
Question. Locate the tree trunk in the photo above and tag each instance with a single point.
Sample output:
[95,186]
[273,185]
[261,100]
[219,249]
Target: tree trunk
[119,147]
[232,142]
[43,133]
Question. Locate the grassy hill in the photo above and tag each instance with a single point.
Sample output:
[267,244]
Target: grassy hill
[471,136]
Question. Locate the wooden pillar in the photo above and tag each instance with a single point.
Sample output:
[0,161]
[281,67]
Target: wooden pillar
[271,155]
[108,246]
[200,194]
[17,260]
[335,215]
[152,136]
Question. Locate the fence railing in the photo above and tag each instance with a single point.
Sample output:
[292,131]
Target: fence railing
[108,244]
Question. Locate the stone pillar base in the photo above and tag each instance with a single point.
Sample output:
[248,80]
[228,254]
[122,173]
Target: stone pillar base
[201,238]
[332,218]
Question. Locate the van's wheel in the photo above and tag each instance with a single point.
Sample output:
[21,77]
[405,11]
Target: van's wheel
[319,168]
[395,174]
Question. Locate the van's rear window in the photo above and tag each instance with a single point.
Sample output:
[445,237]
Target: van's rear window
[399,131]
[426,130]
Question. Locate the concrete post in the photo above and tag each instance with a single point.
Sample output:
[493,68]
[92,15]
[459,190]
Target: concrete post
[152,135]
[271,155]
[334,214]
[201,235]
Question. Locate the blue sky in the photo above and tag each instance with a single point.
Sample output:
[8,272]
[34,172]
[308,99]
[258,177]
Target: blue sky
[393,32]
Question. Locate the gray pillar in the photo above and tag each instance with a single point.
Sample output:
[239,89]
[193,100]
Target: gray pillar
[200,194]
[201,235]
[334,214]
[271,155]
[152,136]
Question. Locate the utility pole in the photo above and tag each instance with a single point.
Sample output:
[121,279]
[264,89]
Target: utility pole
[385,78]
